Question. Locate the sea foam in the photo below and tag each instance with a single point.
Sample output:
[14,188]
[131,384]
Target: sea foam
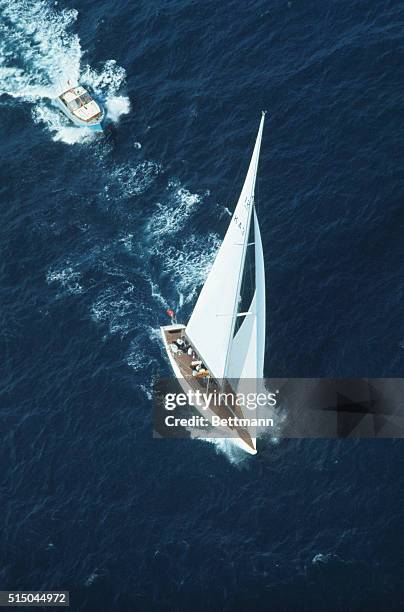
[40,53]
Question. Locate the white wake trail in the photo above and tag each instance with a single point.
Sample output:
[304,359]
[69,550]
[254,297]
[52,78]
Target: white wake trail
[39,53]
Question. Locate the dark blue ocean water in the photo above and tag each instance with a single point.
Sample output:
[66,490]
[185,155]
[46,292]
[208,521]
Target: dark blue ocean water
[99,236]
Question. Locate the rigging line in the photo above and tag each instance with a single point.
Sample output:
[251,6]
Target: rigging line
[258,182]
[240,166]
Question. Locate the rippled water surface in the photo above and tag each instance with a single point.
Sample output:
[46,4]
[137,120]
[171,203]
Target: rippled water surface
[99,236]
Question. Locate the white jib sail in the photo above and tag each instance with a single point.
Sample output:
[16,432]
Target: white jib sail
[246,355]
[212,323]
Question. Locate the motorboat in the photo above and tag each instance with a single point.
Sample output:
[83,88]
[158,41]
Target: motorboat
[78,105]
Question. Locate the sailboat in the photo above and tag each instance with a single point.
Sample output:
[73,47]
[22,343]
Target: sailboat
[225,335]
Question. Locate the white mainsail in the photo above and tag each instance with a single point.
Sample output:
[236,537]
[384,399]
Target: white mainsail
[212,323]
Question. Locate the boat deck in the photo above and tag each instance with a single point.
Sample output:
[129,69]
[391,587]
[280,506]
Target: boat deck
[183,361]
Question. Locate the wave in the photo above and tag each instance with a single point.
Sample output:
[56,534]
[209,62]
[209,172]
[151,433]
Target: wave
[116,107]
[39,53]
[67,279]
[59,126]
[181,255]
[230,449]
[116,307]
[37,49]
[126,180]
[172,215]
[139,357]
[157,295]
[188,265]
